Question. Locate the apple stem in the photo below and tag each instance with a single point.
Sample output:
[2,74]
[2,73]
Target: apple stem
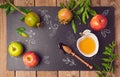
[38,25]
[14,48]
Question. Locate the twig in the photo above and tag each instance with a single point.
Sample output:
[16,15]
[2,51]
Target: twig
[16,8]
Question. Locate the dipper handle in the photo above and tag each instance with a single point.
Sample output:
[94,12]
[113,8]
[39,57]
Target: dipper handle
[84,62]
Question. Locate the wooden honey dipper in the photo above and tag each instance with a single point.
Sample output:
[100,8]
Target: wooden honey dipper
[68,50]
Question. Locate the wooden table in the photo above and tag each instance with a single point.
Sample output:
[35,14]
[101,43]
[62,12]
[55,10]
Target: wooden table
[5,73]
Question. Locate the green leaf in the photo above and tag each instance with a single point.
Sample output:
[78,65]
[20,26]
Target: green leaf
[79,11]
[72,3]
[79,18]
[92,12]
[74,27]
[97,67]
[114,56]
[7,10]
[106,66]
[106,53]
[25,10]
[22,18]
[67,5]
[81,2]
[84,18]
[106,60]
[87,15]
[21,29]
[87,2]
[12,9]
[21,32]
[62,5]
[4,6]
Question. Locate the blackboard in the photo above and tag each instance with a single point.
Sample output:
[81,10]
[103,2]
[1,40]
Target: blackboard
[44,41]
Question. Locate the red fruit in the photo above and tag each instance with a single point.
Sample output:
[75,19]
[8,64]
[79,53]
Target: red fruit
[98,22]
[30,59]
[64,16]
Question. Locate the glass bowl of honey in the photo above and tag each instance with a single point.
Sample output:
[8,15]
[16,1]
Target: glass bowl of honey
[88,44]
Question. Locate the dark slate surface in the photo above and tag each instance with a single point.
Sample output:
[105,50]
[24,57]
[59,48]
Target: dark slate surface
[44,41]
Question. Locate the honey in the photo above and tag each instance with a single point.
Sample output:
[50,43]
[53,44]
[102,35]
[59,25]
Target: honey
[87,45]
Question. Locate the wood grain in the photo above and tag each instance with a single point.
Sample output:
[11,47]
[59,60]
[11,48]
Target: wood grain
[3,50]
[95,2]
[47,74]
[24,2]
[25,73]
[59,1]
[69,74]
[45,2]
[88,74]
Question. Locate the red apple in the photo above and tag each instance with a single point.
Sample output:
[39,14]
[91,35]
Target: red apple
[30,59]
[98,22]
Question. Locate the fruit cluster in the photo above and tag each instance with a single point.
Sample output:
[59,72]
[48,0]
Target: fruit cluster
[30,58]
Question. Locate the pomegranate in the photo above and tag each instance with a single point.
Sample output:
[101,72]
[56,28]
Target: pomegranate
[32,19]
[65,16]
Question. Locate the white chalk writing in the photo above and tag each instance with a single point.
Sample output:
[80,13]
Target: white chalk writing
[105,32]
[69,61]
[46,59]
[105,12]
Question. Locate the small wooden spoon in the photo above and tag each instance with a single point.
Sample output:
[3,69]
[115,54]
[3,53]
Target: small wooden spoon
[68,50]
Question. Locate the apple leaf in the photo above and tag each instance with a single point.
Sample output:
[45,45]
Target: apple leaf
[72,4]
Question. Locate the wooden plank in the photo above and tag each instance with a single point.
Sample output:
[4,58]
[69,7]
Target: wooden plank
[58,2]
[95,2]
[88,74]
[25,73]
[3,50]
[68,74]
[45,2]
[24,2]
[47,74]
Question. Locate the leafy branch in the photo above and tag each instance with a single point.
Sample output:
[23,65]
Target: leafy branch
[10,8]
[107,64]
[80,9]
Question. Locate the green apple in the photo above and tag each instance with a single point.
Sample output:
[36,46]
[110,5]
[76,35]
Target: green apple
[15,49]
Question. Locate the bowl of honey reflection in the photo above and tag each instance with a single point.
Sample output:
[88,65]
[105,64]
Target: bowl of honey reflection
[88,44]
